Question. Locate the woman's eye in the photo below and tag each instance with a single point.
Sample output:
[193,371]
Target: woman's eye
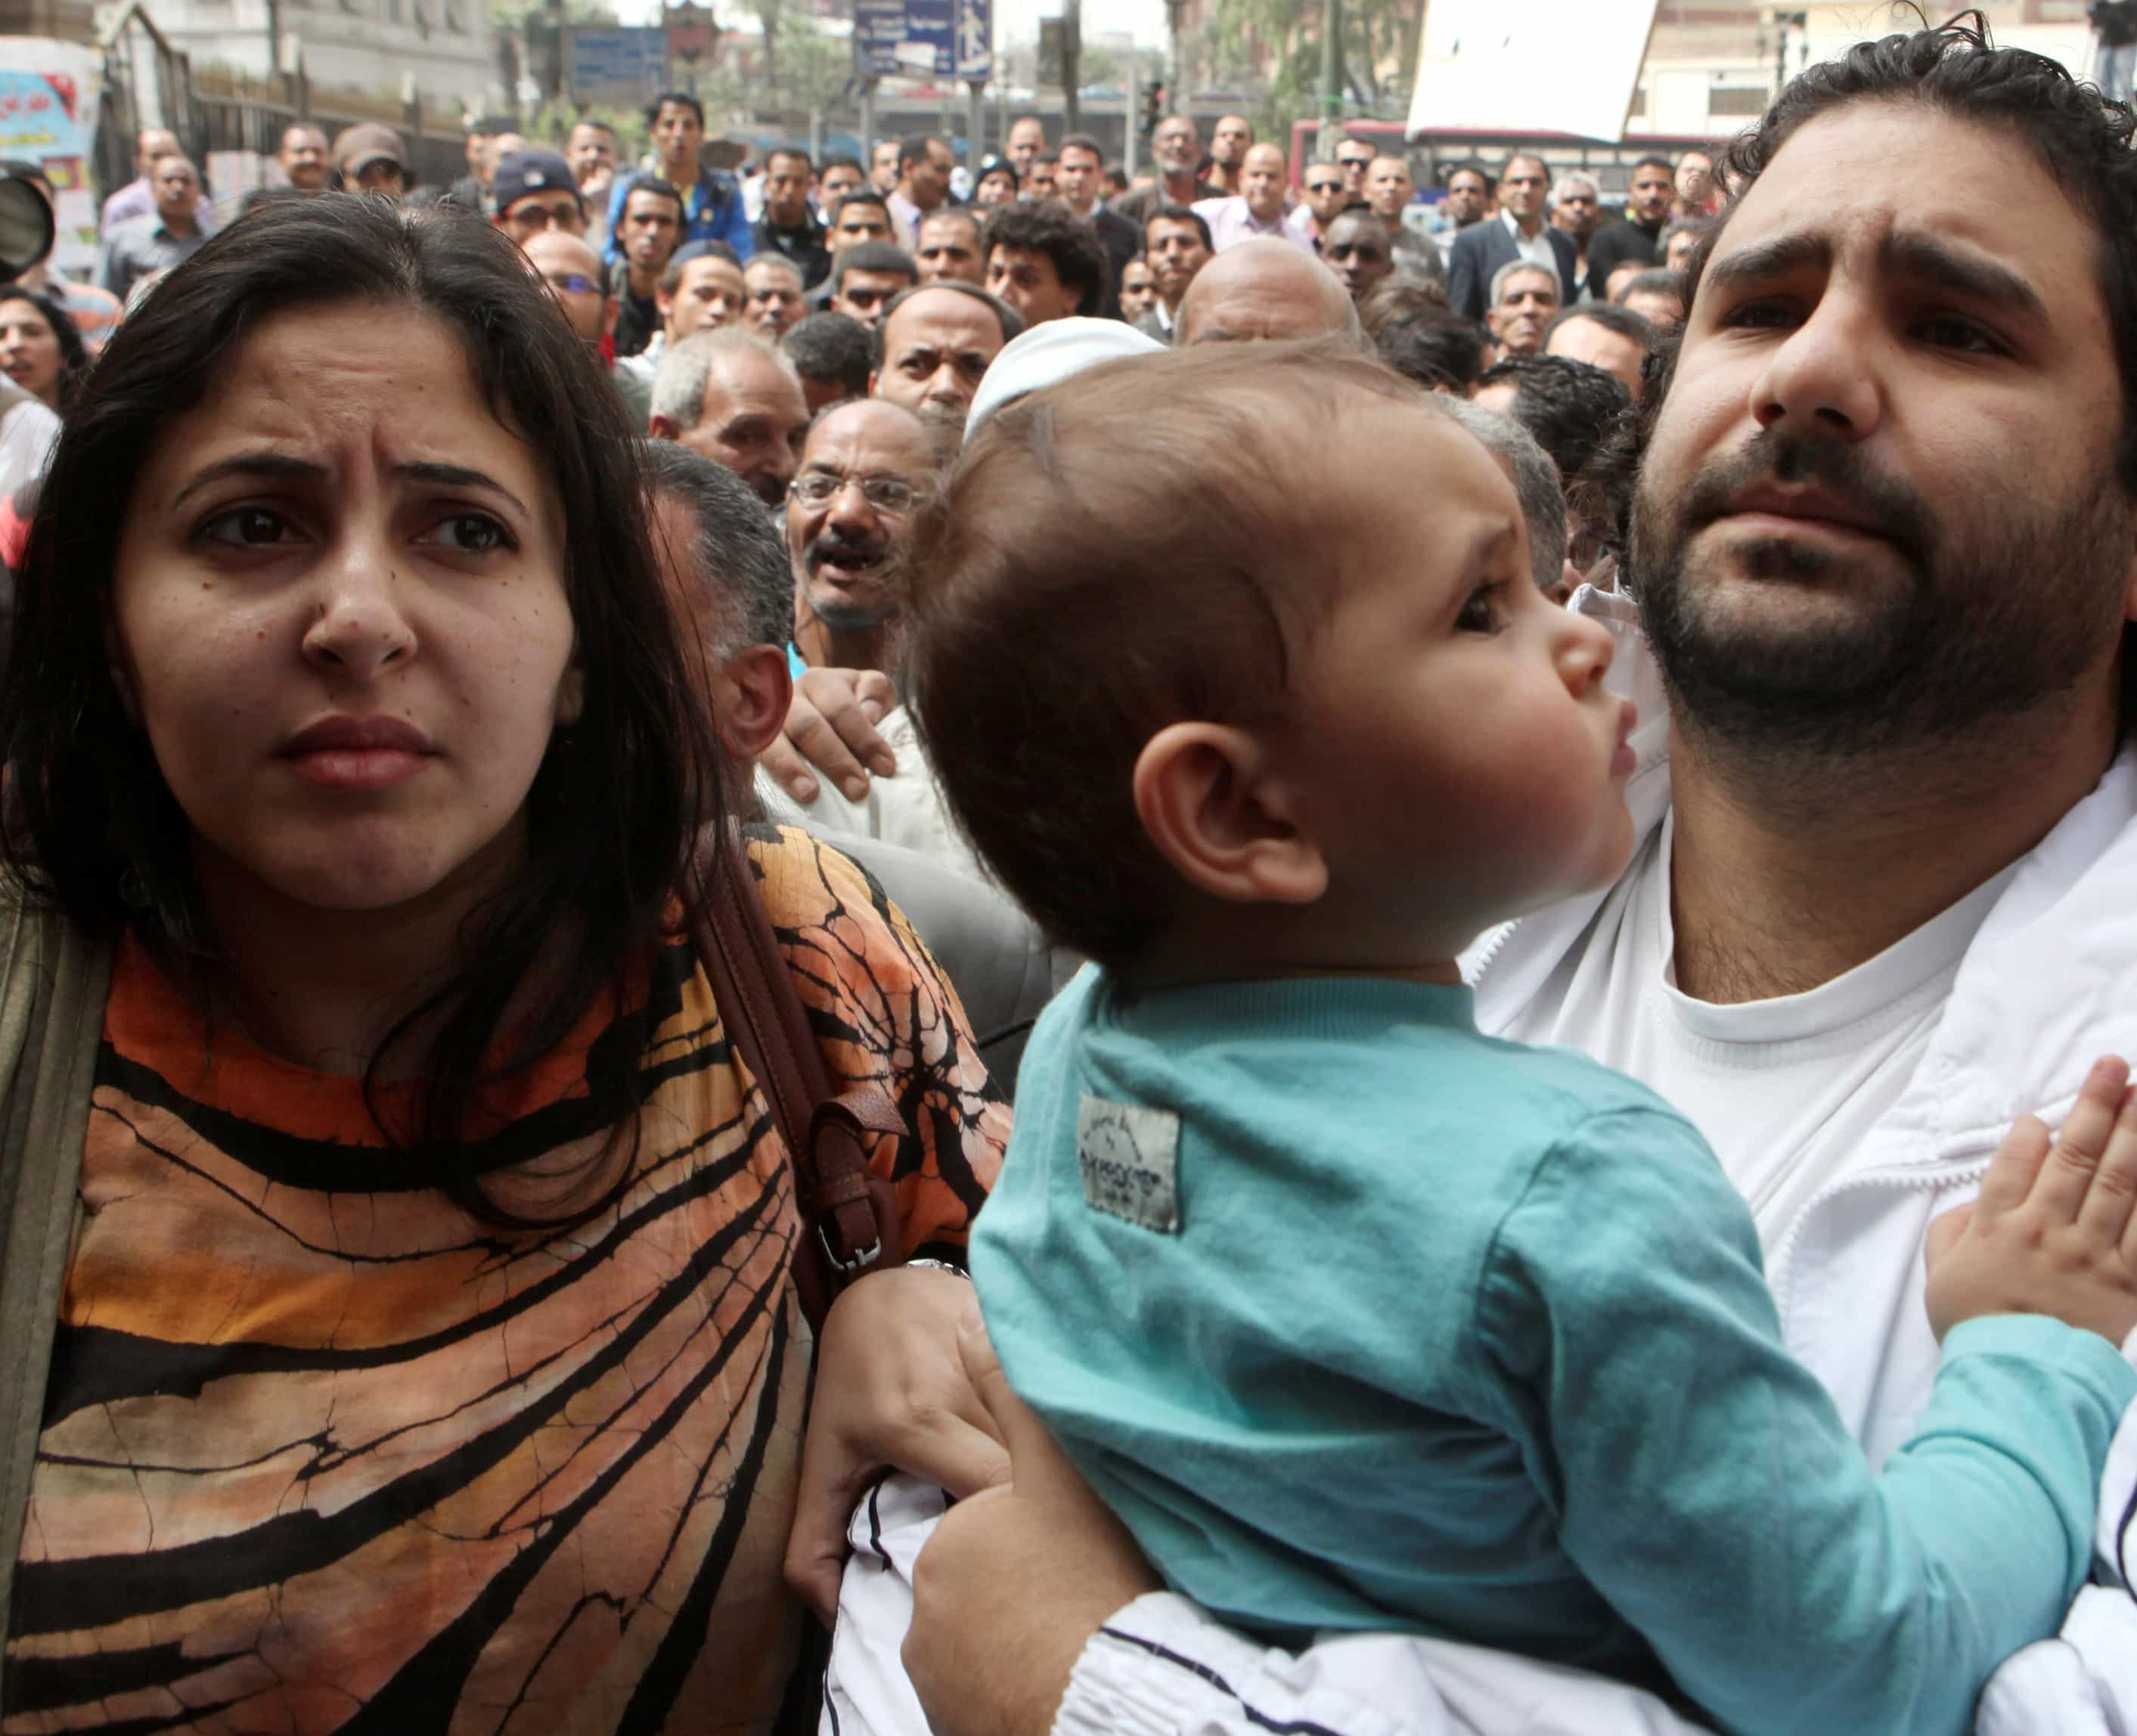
[472,534]
[248,527]
[1481,613]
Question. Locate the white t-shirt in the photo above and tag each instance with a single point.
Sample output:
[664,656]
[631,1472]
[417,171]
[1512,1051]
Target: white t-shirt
[1783,1089]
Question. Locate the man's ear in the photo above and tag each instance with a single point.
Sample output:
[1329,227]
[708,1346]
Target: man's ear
[662,427]
[875,374]
[1209,801]
[753,689]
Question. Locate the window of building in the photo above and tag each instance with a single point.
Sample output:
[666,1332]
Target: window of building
[1739,100]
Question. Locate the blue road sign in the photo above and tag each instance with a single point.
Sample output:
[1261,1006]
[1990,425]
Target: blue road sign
[939,39]
[634,57]
[976,39]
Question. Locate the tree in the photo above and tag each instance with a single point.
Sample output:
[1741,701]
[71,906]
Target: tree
[799,65]
[1276,45]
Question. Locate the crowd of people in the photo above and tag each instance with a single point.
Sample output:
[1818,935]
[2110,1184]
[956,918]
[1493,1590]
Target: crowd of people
[1449,880]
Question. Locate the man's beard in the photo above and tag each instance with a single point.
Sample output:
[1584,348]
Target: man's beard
[1993,617]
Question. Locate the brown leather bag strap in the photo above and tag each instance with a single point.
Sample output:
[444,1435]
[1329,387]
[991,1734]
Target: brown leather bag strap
[849,1223]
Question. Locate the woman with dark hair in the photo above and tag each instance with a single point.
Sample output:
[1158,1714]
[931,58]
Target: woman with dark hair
[398,1313]
[40,348]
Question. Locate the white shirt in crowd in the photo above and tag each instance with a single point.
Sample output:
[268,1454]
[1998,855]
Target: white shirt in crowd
[1536,248]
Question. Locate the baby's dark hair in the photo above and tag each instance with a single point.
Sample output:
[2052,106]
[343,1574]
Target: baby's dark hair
[1124,551]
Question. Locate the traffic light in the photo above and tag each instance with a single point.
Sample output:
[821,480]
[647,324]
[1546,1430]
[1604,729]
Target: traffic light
[1153,108]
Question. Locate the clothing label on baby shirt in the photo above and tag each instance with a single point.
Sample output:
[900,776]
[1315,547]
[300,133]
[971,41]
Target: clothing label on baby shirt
[1130,1156]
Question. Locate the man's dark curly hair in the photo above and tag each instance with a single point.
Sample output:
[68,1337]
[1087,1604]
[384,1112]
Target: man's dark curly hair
[2080,137]
[1048,226]
[1569,406]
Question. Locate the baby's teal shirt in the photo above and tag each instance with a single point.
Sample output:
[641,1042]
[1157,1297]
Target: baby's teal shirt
[1361,1320]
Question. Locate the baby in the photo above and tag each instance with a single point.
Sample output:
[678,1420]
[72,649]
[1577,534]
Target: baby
[1232,664]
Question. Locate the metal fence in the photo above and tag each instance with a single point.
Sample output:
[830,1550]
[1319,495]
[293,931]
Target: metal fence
[147,82]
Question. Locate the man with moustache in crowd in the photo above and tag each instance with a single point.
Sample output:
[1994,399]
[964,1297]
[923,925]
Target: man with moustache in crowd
[1176,147]
[1358,250]
[862,472]
[775,304]
[303,158]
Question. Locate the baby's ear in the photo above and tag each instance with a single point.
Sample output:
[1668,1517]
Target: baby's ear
[1207,800]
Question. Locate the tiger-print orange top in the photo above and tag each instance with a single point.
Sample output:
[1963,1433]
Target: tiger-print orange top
[322,1453]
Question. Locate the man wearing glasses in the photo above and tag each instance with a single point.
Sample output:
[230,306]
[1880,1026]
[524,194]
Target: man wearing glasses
[848,509]
[535,191]
[1354,157]
[849,514]
[1482,249]
[569,266]
[1326,195]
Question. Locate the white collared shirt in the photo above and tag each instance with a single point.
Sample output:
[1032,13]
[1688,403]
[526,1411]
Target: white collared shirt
[1536,248]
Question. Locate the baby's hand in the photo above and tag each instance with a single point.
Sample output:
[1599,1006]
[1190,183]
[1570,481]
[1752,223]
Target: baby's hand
[2052,1232]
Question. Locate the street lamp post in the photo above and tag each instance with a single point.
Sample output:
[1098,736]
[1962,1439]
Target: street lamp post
[1331,73]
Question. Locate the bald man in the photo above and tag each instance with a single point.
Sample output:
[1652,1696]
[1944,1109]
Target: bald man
[1263,290]
[1258,208]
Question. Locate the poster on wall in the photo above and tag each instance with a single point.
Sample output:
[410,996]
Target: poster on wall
[1534,66]
[48,98]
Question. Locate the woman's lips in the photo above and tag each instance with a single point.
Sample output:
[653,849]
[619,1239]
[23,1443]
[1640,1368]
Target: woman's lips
[358,753]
